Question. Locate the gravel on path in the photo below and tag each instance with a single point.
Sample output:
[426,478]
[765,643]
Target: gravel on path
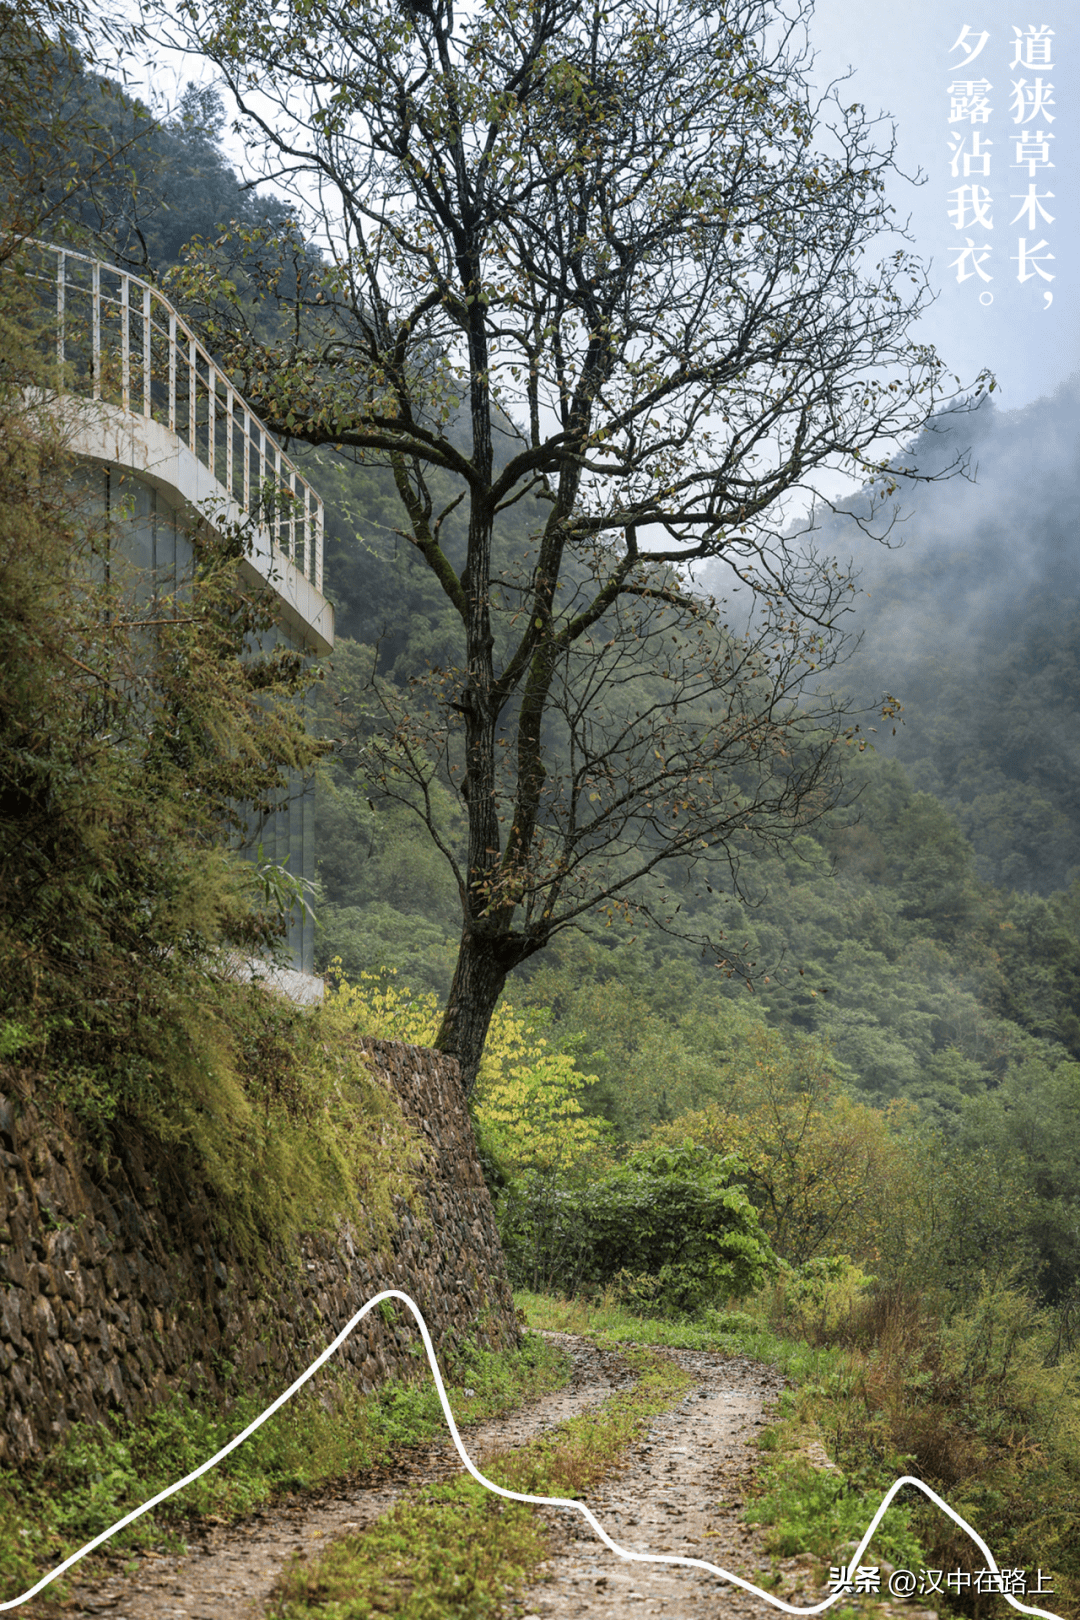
[230,1570]
[681,1491]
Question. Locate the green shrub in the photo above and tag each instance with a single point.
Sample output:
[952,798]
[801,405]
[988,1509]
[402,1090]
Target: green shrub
[731,1322]
[543,1240]
[669,1228]
[814,1299]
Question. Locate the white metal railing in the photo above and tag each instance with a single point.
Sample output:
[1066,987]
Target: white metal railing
[119,340]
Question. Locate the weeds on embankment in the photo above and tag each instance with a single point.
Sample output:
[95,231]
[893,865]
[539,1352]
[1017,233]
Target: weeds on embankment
[97,1474]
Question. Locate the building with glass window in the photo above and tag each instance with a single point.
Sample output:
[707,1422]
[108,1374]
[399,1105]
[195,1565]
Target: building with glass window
[166,443]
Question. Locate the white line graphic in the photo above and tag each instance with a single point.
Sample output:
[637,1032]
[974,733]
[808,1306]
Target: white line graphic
[519,1496]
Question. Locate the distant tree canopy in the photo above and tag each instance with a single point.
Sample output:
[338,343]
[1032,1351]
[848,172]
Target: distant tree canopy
[51,130]
[177,184]
[606,265]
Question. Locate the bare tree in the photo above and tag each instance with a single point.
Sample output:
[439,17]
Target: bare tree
[618,261]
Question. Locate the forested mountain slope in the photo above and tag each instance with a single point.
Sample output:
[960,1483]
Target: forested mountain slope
[869,1086]
[893,929]
[974,623]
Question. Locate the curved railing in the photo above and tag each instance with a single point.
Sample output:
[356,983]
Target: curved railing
[122,342]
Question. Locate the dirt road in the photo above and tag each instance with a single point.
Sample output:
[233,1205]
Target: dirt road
[680,1492]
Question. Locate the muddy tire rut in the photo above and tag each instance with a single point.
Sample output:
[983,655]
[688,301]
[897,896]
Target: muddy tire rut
[680,1491]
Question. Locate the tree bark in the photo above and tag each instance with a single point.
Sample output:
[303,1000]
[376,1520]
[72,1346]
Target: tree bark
[478,983]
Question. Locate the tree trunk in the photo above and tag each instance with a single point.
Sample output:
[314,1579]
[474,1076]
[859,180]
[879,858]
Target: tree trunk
[478,982]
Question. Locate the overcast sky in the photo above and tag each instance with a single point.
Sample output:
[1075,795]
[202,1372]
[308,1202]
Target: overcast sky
[903,63]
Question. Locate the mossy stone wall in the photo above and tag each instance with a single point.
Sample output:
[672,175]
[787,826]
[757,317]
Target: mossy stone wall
[113,1292]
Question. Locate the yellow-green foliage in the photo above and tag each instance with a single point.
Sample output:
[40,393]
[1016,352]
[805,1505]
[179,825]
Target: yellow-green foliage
[270,1110]
[292,1129]
[528,1096]
[817,1164]
[379,1008]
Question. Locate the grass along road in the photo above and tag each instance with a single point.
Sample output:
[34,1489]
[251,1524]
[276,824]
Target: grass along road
[225,1561]
[671,1449]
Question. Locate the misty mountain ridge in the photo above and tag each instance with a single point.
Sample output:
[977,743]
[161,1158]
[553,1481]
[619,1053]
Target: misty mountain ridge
[971,617]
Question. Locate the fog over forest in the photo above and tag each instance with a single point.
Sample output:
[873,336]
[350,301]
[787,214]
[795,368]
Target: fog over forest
[978,548]
[971,617]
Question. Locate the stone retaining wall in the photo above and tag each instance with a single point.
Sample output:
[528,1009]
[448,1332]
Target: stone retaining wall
[112,1294]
